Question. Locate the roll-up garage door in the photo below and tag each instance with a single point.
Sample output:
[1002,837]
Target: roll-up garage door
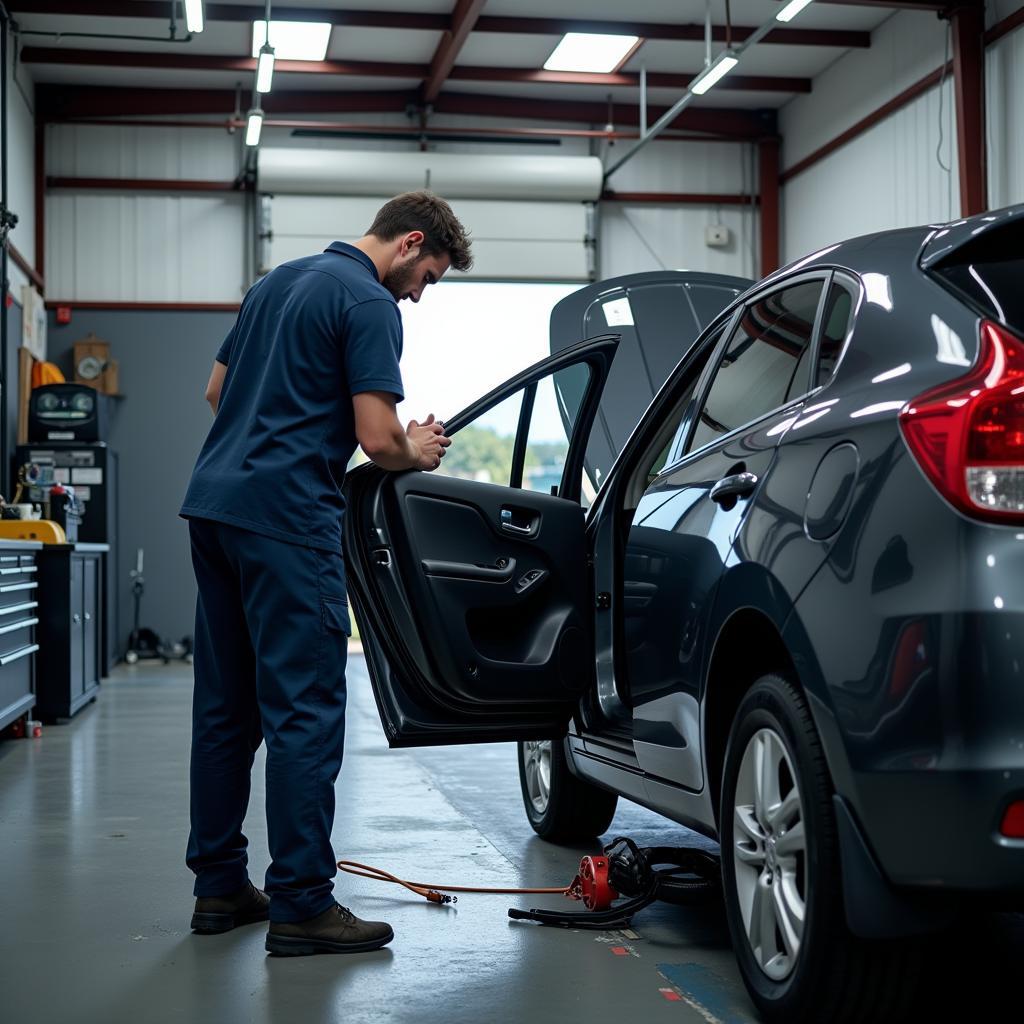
[528,215]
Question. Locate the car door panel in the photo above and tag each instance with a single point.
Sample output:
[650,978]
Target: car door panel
[473,598]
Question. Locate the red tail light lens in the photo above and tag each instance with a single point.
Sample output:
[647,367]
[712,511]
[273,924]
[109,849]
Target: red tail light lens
[1013,821]
[968,436]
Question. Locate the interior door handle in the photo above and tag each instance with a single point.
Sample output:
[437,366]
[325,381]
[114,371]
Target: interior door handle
[501,572]
[525,527]
[729,488]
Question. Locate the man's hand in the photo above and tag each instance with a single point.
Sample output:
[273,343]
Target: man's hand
[428,438]
[419,446]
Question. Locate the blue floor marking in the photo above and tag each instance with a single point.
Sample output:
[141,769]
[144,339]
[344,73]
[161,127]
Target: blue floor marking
[708,989]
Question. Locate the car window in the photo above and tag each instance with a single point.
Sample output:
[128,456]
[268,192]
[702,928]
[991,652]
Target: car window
[556,406]
[485,448]
[765,363]
[835,323]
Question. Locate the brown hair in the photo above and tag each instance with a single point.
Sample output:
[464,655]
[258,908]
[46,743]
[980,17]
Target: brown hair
[423,211]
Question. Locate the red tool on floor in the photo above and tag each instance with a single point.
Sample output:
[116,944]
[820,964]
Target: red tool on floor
[671,874]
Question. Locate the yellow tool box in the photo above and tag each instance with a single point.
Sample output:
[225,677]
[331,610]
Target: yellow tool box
[43,531]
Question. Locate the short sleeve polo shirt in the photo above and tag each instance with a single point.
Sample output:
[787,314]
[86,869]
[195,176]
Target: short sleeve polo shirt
[309,336]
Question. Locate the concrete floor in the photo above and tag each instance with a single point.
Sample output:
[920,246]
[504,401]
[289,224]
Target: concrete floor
[93,820]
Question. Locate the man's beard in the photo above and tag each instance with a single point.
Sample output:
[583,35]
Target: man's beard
[398,280]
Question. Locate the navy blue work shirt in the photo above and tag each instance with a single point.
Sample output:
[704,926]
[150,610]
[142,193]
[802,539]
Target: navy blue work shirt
[309,336]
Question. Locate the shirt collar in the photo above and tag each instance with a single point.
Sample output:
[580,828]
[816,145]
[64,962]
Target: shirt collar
[344,249]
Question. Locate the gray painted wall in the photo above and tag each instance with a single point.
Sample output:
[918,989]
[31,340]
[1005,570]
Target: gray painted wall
[158,428]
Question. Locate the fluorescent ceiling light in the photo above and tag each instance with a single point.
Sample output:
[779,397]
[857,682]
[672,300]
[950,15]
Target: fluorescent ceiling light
[265,68]
[253,127]
[719,68]
[791,10]
[293,40]
[588,51]
[194,15]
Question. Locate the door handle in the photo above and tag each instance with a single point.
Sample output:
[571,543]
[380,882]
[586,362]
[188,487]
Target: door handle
[526,527]
[501,572]
[729,488]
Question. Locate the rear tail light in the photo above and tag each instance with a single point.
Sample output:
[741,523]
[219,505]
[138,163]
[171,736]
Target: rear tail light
[1013,821]
[968,436]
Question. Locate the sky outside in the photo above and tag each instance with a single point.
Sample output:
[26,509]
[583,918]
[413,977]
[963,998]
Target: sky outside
[465,337]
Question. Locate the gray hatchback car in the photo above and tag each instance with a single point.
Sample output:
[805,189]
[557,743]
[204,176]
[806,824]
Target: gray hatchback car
[752,560]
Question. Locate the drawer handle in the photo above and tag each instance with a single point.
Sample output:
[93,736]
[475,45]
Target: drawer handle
[18,570]
[11,587]
[17,655]
[18,625]
[23,607]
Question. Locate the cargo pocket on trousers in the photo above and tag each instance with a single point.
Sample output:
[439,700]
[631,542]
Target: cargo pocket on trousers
[335,616]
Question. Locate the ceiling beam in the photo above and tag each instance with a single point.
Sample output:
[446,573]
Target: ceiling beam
[64,102]
[341,17]
[464,18]
[384,69]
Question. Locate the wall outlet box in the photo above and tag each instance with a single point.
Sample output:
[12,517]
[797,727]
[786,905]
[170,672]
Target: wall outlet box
[717,235]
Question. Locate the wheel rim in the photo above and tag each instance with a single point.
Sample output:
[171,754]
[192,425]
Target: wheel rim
[769,854]
[537,768]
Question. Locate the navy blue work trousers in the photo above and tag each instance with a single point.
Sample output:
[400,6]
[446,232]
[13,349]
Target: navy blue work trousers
[270,649]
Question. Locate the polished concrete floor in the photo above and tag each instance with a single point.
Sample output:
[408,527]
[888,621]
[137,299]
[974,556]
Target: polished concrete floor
[93,820]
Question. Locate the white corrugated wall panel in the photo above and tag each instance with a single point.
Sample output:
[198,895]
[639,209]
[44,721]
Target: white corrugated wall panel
[511,240]
[110,151]
[145,248]
[887,178]
[1004,64]
[637,237]
[21,166]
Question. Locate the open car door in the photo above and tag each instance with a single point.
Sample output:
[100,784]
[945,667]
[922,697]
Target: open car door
[470,584]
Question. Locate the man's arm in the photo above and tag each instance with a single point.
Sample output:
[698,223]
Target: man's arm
[380,434]
[214,385]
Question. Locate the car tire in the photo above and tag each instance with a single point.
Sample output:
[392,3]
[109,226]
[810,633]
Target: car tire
[781,876]
[561,807]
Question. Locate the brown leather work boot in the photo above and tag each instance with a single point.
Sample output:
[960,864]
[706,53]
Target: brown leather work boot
[336,930]
[215,914]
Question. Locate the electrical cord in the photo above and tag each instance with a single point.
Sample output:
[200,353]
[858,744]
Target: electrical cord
[437,893]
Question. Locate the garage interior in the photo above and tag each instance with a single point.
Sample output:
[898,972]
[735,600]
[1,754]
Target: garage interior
[147,183]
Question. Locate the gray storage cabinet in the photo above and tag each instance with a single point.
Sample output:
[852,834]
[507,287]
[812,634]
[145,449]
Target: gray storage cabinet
[19,616]
[70,628]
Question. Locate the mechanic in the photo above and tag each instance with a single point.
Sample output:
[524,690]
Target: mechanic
[309,370]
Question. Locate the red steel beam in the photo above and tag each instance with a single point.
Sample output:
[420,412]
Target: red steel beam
[896,103]
[385,69]
[464,18]
[678,198]
[169,307]
[768,173]
[56,102]
[969,87]
[25,267]
[1007,25]
[142,185]
[842,38]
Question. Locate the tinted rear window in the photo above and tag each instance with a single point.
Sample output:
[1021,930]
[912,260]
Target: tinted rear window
[989,273]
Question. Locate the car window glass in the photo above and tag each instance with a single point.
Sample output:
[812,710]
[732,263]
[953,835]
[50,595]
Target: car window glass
[834,325]
[556,407]
[483,449]
[763,364]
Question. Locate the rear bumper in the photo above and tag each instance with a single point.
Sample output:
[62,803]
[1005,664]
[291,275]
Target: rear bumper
[939,830]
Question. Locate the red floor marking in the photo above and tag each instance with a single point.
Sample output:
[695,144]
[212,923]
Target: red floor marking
[671,995]
[620,950]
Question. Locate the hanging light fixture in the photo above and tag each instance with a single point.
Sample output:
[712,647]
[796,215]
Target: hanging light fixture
[265,63]
[253,126]
[194,15]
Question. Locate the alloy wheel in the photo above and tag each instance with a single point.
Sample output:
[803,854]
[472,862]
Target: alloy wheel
[770,854]
[537,766]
